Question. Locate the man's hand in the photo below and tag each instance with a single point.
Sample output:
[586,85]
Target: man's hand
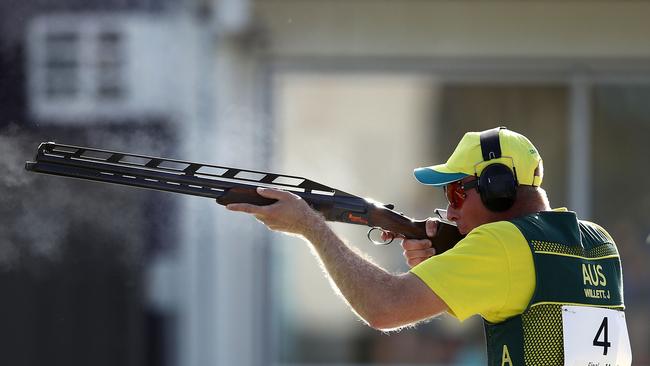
[418,250]
[291,214]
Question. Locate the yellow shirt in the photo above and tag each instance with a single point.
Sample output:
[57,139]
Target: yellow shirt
[490,272]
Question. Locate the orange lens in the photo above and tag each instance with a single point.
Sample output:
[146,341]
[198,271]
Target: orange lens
[455,194]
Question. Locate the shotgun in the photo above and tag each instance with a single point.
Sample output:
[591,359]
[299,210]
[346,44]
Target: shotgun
[233,185]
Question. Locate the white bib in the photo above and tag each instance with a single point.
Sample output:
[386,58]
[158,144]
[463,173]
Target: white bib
[595,337]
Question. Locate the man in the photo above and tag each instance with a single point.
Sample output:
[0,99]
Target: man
[548,286]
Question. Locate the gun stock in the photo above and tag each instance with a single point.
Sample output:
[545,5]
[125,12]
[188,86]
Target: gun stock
[227,185]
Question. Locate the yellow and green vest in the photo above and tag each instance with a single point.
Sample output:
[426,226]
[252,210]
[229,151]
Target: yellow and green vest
[576,263]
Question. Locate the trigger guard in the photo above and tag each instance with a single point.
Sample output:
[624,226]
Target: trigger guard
[379,242]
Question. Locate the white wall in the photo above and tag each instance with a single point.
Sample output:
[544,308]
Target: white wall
[362,134]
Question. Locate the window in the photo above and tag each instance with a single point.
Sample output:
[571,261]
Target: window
[109,65]
[78,68]
[62,77]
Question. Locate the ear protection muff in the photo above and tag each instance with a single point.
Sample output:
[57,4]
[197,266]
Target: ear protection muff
[497,183]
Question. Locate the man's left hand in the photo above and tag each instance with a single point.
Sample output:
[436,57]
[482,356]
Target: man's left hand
[290,214]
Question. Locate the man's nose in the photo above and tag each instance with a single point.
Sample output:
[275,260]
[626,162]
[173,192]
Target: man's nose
[452,213]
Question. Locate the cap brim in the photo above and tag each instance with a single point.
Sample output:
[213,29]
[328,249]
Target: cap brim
[436,178]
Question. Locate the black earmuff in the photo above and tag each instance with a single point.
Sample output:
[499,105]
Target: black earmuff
[497,183]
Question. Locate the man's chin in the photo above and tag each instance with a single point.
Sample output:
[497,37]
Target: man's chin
[462,229]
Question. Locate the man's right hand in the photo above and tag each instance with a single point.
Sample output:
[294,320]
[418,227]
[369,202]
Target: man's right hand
[418,250]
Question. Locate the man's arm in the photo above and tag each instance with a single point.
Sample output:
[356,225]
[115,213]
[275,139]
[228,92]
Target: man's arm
[383,300]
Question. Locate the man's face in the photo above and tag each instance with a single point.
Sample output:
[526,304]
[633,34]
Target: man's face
[468,213]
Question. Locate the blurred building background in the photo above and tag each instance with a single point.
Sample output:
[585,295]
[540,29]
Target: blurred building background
[353,94]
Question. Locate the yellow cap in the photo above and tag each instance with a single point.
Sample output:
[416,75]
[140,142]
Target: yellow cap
[516,152]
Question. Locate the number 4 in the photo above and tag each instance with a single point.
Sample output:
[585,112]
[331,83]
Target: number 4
[605,344]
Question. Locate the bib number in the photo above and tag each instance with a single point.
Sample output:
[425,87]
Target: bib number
[604,343]
[595,337]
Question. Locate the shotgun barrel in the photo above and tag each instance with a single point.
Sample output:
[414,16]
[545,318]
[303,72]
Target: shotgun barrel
[228,185]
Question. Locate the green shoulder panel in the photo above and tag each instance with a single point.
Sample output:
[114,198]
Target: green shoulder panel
[576,262]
